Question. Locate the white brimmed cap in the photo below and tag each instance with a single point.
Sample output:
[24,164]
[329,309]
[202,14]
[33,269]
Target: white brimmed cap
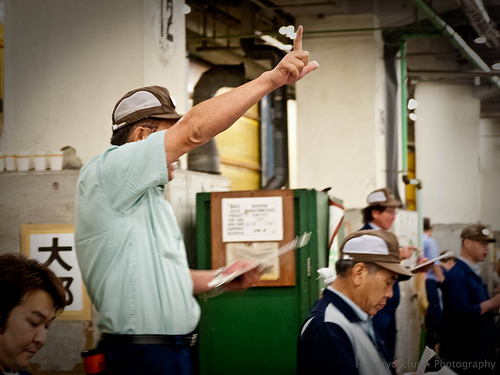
[374,246]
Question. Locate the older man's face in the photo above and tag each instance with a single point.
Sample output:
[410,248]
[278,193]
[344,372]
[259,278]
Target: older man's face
[375,289]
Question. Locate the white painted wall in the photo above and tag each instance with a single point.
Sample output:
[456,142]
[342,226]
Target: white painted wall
[340,110]
[447,152]
[489,151]
[67,62]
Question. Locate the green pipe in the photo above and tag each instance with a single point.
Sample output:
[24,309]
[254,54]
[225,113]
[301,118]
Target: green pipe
[404,105]
[455,39]
[425,30]
[420,218]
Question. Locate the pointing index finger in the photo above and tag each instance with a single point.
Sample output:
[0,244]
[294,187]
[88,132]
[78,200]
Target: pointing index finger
[297,43]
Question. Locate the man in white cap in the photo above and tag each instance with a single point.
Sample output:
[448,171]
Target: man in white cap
[338,336]
[129,246]
[468,328]
[380,214]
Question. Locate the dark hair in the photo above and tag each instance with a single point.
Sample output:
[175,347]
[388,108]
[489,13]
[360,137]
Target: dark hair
[121,136]
[342,266]
[446,259]
[427,224]
[20,276]
[367,212]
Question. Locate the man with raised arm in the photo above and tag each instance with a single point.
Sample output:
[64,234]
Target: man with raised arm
[129,245]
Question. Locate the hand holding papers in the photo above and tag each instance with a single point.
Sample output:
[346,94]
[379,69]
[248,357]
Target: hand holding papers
[419,267]
[241,266]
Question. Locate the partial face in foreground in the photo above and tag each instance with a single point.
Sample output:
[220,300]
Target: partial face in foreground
[26,330]
[374,290]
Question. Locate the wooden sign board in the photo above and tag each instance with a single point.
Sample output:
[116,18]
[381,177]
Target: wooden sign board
[254,224]
[54,244]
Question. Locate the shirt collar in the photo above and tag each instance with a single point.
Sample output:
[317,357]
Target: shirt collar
[373,225]
[476,268]
[357,310]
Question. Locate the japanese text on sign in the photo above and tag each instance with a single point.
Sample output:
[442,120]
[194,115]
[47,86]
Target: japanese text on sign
[57,251]
[252,219]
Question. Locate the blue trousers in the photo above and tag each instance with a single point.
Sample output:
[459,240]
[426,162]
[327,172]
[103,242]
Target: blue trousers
[146,359]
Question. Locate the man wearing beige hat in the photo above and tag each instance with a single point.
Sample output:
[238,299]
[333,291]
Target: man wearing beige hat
[338,336]
[468,328]
[129,246]
[380,214]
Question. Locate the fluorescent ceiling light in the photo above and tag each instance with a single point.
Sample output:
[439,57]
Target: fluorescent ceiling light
[276,43]
[412,104]
[480,40]
[288,31]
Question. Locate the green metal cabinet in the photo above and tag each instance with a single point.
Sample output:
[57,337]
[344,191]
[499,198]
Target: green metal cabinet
[255,331]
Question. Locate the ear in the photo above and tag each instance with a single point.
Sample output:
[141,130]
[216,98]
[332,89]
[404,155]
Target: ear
[376,214]
[358,274]
[139,133]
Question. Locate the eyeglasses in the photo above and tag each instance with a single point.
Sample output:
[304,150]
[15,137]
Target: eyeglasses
[391,211]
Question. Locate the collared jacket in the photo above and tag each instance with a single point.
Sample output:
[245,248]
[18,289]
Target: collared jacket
[332,341]
[466,334]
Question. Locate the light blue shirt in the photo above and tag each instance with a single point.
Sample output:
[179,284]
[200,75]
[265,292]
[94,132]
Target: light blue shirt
[366,320]
[129,246]
[431,251]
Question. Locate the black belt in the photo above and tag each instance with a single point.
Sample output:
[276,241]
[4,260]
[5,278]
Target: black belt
[173,341]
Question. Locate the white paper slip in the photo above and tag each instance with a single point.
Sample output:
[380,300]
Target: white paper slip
[240,266]
[445,255]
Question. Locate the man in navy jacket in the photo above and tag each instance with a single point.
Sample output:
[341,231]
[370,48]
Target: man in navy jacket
[338,336]
[468,330]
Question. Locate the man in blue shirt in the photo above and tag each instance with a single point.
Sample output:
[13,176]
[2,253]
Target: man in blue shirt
[468,329]
[129,246]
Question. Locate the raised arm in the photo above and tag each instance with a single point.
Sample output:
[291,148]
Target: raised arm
[212,116]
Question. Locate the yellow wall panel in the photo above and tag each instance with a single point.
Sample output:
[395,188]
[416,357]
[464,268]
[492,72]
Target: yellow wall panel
[239,150]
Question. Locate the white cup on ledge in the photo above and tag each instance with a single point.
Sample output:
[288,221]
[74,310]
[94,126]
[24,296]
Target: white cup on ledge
[23,161]
[55,160]
[40,160]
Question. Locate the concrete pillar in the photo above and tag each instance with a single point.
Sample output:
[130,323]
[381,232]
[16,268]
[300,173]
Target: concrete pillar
[489,151]
[340,109]
[447,152]
[67,62]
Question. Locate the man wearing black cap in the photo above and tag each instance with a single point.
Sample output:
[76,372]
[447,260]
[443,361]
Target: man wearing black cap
[338,336]
[129,245]
[468,330]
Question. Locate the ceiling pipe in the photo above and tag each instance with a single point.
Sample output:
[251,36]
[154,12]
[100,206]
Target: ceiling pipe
[455,39]
[481,22]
